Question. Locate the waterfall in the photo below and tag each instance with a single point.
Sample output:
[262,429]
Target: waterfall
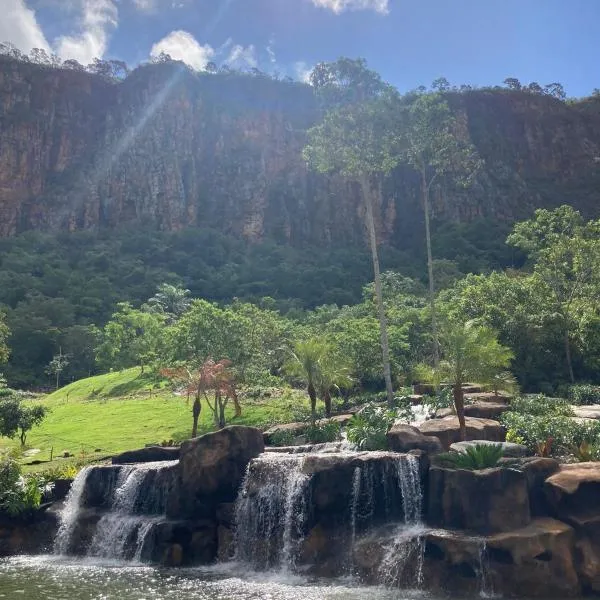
[129,499]
[286,497]
[270,511]
[403,561]
[485,587]
[70,512]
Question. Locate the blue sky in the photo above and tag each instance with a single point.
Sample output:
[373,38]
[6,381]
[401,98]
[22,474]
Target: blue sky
[411,42]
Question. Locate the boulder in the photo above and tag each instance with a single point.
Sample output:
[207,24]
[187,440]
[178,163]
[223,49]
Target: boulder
[148,454]
[484,502]
[472,388]
[485,410]
[509,449]
[293,429]
[211,469]
[573,493]
[537,470]
[403,438]
[341,420]
[499,398]
[32,535]
[442,413]
[575,489]
[591,411]
[447,430]
[536,560]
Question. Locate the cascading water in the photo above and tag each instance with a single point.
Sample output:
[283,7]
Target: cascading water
[132,499]
[70,512]
[287,497]
[270,511]
[403,561]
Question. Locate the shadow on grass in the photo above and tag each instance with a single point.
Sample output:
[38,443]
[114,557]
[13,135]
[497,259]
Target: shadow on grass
[142,382]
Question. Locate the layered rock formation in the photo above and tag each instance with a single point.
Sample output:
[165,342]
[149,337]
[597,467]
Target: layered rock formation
[172,148]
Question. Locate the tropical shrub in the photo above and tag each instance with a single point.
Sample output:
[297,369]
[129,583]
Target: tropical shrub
[475,458]
[282,438]
[584,394]
[320,433]
[368,428]
[545,425]
[20,494]
[442,399]
[587,452]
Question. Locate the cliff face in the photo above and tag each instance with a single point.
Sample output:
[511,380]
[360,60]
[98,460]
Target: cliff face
[175,149]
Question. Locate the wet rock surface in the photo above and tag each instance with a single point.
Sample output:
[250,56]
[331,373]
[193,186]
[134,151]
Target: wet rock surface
[447,430]
[483,502]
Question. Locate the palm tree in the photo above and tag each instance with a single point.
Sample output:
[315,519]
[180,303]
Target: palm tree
[306,362]
[470,352]
[170,300]
[335,374]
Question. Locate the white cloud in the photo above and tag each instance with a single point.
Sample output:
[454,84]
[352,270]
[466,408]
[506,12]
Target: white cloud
[181,45]
[98,18]
[241,57]
[339,6]
[19,26]
[271,52]
[150,6]
[302,71]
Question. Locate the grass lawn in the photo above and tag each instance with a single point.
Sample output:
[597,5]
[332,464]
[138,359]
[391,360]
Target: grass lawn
[96,417]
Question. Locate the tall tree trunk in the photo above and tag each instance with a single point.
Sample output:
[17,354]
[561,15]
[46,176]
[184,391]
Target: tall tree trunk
[57,378]
[459,405]
[327,401]
[196,408]
[434,329]
[312,394]
[385,347]
[568,356]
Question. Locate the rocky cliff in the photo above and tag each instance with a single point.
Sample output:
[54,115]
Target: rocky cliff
[174,149]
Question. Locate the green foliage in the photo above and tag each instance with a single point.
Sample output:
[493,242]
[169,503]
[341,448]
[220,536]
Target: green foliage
[20,494]
[18,416]
[283,438]
[545,425]
[320,433]
[435,402]
[132,337]
[587,451]
[4,335]
[474,458]
[584,393]
[368,428]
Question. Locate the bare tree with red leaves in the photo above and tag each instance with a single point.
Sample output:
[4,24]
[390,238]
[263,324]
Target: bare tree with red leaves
[212,376]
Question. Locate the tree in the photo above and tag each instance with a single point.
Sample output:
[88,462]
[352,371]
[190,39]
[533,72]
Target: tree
[208,331]
[18,419]
[307,360]
[565,253]
[209,376]
[57,365]
[556,90]
[132,337]
[170,300]
[441,84]
[356,140]
[470,352]
[4,335]
[334,374]
[432,147]
[512,83]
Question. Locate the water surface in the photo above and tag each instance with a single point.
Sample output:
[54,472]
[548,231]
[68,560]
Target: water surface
[51,578]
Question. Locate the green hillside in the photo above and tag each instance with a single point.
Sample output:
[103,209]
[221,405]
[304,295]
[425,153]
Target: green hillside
[100,416]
